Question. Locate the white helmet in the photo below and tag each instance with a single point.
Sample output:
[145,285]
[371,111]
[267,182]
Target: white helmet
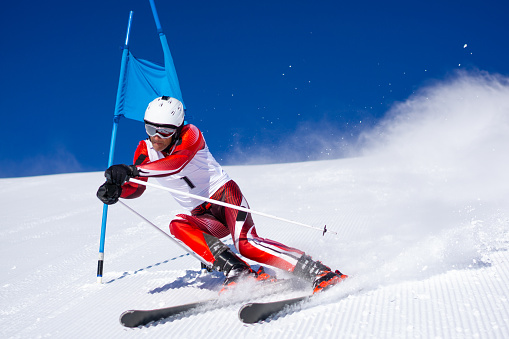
[165,111]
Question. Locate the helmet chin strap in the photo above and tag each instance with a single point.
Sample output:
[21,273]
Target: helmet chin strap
[170,148]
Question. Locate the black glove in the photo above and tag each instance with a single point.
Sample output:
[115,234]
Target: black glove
[118,174]
[109,193]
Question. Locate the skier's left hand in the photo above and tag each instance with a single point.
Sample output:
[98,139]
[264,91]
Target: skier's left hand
[118,174]
[109,193]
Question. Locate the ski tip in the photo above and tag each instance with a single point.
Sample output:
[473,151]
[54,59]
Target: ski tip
[252,313]
[244,314]
[126,319]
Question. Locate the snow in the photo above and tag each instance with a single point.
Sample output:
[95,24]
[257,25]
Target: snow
[421,212]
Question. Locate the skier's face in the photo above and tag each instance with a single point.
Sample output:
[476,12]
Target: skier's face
[159,143]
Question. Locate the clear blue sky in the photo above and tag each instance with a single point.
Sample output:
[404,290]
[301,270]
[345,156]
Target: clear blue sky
[259,78]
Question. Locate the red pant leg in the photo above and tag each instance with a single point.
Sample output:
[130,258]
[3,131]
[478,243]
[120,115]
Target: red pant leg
[220,221]
[198,233]
[246,240]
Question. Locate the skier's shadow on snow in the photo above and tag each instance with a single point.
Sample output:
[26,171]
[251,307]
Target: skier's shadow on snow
[196,279]
[126,274]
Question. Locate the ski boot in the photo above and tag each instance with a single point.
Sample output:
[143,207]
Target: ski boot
[321,276]
[235,270]
[327,279]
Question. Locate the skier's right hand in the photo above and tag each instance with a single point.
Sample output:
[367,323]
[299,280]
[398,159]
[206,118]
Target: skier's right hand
[118,174]
[109,193]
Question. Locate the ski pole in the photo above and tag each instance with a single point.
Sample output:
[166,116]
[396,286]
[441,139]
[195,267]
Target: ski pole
[221,203]
[176,241]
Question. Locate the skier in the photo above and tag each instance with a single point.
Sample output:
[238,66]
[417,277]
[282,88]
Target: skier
[178,156]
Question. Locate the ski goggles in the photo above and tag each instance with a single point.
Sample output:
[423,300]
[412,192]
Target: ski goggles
[163,132]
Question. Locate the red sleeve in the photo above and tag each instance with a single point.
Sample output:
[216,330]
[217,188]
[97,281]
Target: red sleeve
[191,142]
[131,190]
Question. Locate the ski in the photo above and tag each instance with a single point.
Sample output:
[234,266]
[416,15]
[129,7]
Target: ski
[255,312]
[251,313]
[135,318]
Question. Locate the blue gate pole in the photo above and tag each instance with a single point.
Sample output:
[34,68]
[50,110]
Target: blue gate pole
[156,17]
[116,118]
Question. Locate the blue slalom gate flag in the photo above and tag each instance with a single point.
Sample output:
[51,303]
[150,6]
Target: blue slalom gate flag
[144,81]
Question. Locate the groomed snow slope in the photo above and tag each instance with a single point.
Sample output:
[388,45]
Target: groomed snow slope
[422,217]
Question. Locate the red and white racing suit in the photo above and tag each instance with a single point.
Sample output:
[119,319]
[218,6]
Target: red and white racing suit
[190,167]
